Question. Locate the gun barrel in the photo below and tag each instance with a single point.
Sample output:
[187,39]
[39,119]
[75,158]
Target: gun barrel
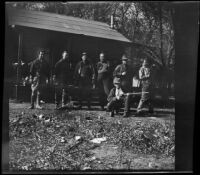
[136,93]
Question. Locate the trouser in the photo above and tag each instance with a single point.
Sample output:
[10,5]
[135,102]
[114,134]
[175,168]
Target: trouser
[115,104]
[35,92]
[146,98]
[126,84]
[103,90]
[61,94]
[85,86]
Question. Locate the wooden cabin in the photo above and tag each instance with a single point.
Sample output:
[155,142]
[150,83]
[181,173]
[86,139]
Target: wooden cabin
[27,31]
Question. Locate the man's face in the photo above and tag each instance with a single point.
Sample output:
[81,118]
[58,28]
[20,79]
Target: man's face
[102,57]
[144,63]
[65,55]
[84,58]
[124,62]
[41,55]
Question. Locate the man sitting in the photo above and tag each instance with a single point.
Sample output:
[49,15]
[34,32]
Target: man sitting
[117,98]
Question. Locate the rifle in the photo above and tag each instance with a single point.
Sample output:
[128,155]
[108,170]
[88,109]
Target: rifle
[136,93]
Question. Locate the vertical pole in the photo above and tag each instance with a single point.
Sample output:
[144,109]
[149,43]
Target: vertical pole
[18,65]
[161,34]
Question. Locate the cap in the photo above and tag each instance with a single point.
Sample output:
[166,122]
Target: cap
[124,58]
[84,53]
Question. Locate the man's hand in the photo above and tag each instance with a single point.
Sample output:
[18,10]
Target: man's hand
[123,73]
[30,79]
[121,95]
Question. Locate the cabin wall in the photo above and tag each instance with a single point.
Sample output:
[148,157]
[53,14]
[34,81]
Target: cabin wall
[55,43]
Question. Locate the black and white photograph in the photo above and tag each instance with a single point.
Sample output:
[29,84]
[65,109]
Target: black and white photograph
[91,85]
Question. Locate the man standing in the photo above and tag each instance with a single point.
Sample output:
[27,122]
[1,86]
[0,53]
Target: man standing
[124,72]
[103,79]
[146,77]
[39,75]
[84,75]
[61,78]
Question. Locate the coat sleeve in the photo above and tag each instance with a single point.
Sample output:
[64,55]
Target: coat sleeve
[92,71]
[111,94]
[56,69]
[76,74]
[117,71]
[32,69]
[141,76]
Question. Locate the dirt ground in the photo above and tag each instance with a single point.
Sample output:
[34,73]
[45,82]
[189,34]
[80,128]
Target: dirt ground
[62,140]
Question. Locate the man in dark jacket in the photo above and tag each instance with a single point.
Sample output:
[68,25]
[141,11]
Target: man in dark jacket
[146,78]
[124,72]
[84,75]
[103,80]
[39,75]
[61,79]
[117,98]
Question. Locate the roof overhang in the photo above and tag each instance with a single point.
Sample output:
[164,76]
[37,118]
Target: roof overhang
[61,23]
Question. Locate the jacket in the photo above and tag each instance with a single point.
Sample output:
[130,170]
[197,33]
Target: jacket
[103,69]
[123,68]
[63,71]
[39,69]
[112,94]
[84,70]
[145,75]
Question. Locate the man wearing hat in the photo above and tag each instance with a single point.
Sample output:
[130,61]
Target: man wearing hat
[117,98]
[124,72]
[39,74]
[84,75]
[61,78]
[146,78]
[103,79]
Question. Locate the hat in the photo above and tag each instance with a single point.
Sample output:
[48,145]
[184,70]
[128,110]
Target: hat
[116,81]
[124,58]
[84,53]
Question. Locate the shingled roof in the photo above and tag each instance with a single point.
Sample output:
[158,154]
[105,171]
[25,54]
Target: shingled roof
[61,23]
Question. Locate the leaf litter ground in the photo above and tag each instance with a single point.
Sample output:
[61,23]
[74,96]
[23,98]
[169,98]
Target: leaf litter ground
[62,140]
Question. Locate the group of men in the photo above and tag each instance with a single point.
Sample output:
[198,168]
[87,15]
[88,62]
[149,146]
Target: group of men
[86,76]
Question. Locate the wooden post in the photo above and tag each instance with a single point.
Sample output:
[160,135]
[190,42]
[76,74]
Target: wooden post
[161,35]
[19,64]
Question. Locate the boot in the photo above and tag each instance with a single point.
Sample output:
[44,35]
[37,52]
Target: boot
[32,102]
[112,113]
[63,98]
[38,102]
[102,108]
[139,112]
[88,104]
[80,105]
[126,114]
[56,106]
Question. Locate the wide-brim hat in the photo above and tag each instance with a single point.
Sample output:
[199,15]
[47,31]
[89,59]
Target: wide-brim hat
[124,58]
[84,53]
[117,81]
